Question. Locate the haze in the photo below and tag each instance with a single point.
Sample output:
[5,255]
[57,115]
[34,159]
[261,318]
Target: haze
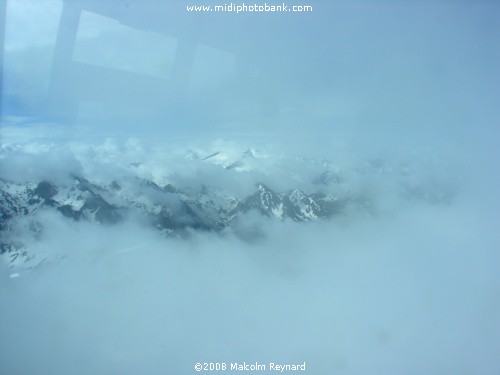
[399,99]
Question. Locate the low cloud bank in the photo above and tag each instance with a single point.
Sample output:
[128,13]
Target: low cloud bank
[408,286]
[413,293]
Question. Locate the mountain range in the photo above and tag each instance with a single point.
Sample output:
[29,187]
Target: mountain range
[174,209]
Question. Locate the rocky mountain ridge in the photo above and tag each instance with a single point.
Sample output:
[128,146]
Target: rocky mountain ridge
[173,211]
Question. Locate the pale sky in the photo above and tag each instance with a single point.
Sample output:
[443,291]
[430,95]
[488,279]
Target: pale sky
[379,67]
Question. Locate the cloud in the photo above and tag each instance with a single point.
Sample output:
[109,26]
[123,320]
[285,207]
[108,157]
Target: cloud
[39,162]
[400,109]
[412,293]
[411,289]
